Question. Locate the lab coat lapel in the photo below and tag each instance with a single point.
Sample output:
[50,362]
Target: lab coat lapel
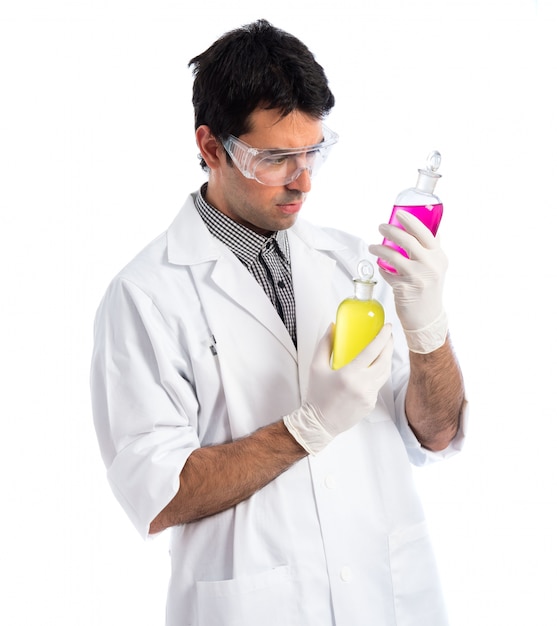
[312,275]
[234,279]
[213,264]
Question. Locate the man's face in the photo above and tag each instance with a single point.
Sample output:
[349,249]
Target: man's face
[259,207]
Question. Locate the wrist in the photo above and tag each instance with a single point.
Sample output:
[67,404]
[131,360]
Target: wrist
[306,427]
[429,338]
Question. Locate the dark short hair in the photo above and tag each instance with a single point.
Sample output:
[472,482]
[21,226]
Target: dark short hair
[256,66]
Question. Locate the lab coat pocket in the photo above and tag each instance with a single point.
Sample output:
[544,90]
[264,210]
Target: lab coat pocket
[265,598]
[416,589]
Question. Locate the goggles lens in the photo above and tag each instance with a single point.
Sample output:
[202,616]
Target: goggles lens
[278,167]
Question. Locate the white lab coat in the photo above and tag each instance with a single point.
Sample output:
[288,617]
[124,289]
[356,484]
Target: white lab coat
[190,352]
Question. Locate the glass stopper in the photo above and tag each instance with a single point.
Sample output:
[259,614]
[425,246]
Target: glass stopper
[433,161]
[365,271]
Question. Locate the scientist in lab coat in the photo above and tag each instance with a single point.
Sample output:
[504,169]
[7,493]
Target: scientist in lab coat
[287,485]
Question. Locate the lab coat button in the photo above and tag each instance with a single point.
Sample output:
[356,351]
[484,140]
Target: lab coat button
[346,574]
[330,482]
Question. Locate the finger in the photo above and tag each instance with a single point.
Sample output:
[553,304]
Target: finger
[383,361]
[416,228]
[413,248]
[392,257]
[406,240]
[392,278]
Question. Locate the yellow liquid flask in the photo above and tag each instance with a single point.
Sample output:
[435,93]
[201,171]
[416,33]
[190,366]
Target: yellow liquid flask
[359,319]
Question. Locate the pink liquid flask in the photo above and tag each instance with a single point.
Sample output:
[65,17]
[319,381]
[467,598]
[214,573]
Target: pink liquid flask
[420,201]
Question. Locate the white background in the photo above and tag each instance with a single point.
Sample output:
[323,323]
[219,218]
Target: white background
[97,156]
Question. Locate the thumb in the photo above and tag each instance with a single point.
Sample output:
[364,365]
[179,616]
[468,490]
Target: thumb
[374,348]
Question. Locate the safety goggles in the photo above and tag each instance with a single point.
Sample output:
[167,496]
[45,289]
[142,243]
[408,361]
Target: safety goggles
[278,167]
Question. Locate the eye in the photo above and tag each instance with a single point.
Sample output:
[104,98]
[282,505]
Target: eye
[311,155]
[276,161]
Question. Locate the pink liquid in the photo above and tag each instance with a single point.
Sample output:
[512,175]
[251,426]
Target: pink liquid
[430,215]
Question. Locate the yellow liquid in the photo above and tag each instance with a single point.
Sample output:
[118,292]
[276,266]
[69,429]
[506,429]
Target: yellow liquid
[358,322]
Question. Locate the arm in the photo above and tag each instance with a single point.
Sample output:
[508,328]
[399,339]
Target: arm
[218,477]
[435,394]
[215,478]
[435,397]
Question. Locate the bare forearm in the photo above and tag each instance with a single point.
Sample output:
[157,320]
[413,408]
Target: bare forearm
[435,397]
[216,478]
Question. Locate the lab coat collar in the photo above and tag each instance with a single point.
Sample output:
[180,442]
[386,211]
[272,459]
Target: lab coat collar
[190,243]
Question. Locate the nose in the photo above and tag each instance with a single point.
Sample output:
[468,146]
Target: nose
[302,182]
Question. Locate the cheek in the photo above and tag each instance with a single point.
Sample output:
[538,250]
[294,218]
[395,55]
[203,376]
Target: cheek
[259,196]
[250,196]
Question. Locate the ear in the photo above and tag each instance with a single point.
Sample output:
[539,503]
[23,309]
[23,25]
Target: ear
[210,148]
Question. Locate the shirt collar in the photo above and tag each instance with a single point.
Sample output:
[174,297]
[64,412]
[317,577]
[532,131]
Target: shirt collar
[244,243]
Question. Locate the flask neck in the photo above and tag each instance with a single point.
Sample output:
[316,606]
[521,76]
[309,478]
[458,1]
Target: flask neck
[427,181]
[363,289]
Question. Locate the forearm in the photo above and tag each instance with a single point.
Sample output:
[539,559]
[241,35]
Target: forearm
[435,397]
[215,478]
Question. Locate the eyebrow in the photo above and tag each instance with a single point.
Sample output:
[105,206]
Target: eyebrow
[298,149]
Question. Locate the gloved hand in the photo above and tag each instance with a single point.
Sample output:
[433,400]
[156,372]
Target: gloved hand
[336,400]
[418,284]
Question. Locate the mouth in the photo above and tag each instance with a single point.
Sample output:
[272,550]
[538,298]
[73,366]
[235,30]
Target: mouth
[291,207]
[293,203]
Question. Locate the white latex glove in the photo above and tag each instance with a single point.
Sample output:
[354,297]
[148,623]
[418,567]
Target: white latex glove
[418,284]
[336,400]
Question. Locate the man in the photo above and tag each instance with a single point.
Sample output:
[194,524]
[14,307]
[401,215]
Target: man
[286,483]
